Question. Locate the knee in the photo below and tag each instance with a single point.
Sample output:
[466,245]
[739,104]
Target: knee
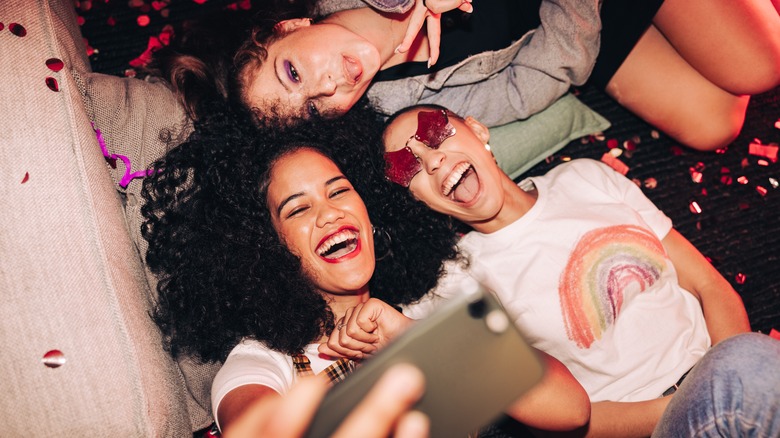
[763,75]
[708,131]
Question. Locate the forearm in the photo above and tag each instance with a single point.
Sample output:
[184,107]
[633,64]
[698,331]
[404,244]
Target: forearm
[723,310]
[557,402]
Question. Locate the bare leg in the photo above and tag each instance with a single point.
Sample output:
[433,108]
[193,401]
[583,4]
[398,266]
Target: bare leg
[690,72]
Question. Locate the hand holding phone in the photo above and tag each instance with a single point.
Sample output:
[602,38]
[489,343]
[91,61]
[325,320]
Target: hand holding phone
[474,360]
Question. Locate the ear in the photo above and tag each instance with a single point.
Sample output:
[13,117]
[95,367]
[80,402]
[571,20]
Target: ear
[480,130]
[290,25]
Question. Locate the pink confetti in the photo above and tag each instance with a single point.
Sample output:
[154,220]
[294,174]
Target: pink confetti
[768,151]
[740,278]
[774,334]
[143,20]
[244,5]
[55,64]
[742,180]
[200,2]
[777,123]
[761,190]
[614,163]
[694,207]
[26,177]
[696,176]
[17,29]
[52,84]
[651,183]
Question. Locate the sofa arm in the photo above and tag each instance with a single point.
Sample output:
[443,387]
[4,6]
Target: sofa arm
[80,352]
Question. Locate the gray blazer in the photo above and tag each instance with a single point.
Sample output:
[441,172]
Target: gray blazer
[505,85]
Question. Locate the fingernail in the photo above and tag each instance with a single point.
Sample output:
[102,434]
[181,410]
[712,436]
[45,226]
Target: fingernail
[397,49]
[429,62]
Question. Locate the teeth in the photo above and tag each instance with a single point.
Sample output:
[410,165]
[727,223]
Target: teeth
[454,177]
[340,237]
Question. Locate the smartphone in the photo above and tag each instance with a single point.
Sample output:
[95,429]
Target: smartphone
[475,363]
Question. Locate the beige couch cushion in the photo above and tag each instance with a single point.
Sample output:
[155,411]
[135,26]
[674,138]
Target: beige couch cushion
[70,277]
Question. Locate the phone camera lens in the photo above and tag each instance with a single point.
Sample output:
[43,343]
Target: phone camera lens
[477,309]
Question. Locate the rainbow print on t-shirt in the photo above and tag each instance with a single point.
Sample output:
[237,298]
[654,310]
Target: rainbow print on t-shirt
[603,264]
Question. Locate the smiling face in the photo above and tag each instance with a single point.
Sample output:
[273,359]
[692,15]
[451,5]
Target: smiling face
[314,69]
[459,178]
[322,220]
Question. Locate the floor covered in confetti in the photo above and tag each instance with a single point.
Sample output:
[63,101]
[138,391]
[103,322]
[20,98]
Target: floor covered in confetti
[726,203]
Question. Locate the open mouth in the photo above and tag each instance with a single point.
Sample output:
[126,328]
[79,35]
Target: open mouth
[340,244]
[462,184]
[353,70]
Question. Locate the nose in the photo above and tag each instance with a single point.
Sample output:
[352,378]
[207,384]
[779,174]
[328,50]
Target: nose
[431,159]
[324,86]
[328,214]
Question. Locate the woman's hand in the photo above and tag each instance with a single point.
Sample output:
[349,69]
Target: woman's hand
[429,11]
[364,329]
[383,412]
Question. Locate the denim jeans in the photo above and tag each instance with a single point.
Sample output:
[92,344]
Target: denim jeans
[734,391]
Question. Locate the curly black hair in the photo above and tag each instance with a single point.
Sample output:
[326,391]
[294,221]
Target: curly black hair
[224,273]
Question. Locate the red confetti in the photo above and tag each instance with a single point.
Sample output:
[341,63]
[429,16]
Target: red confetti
[80,20]
[726,180]
[55,64]
[761,190]
[676,150]
[111,21]
[768,151]
[740,278]
[721,151]
[200,2]
[744,163]
[146,57]
[612,143]
[52,84]
[743,205]
[159,5]
[629,145]
[17,29]
[774,333]
[614,163]
[742,179]
[244,5]
[143,20]
[26,177]
[694,207]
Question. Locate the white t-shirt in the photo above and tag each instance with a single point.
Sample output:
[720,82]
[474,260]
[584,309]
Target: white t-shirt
[586,279]
[251,362]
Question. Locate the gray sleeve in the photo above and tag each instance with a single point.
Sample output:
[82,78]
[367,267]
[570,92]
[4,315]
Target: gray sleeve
[327,7]
[561,52]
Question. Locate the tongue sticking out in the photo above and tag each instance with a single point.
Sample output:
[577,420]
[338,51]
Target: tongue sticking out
[467,188]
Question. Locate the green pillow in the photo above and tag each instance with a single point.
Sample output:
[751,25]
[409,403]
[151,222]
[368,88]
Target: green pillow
[520,145]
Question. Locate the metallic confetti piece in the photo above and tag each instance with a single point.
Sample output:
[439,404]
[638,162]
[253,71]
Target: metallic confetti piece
[565,158]
[629,145]
[704,191]
[743,179]
[774,333]
[636,139]
[774,183]
[599,136]
[743,205]
[52,84]
[777,123]
[549,159]
[699,166]
[26,177]
[721,151]
[651,183]
[761,190]
[111,21]
[726,179]
[17,29]
[725,170]
[614,163]
[740,278]
[143,20]
[54,359]
[612,143]
[762,162]
[655,134]
[676,150]
[744,163]
[694,207]
[768,151]
[696,176]
[55,64]
[616,152]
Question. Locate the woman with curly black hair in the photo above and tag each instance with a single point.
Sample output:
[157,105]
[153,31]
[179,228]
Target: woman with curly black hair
[260,242]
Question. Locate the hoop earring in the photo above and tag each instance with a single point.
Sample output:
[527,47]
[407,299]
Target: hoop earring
[382,239]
